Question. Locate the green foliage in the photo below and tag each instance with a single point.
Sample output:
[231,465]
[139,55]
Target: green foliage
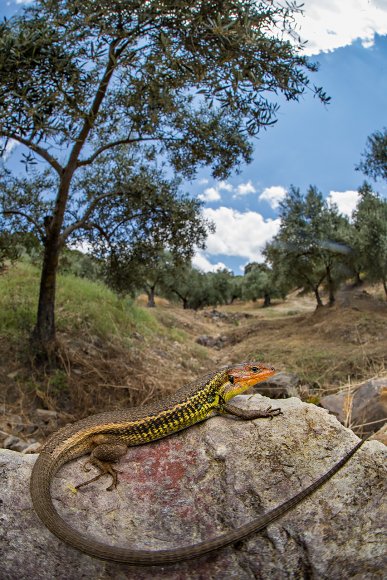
[80,264]
[370,224]
[18,299]
[374,162]
[8,249]
[84,306]
[100,91]
[144,66]
[259,281]
[197,289]
[309,248]
[187,285]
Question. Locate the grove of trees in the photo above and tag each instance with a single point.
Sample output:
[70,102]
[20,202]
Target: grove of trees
[109,100]
[316,249]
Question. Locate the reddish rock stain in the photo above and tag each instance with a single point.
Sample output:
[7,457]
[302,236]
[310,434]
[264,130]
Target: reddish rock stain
[164,467]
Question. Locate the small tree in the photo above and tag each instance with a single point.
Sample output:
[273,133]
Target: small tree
[370,222]
[309,248]
[221,287]
[144,269]
[374,162]
[185,81]
[259,282]
[188,285]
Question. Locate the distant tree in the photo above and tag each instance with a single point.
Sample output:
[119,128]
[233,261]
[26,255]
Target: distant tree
[236,289]
[188,285]
[370,222]
[8,249]
[374,162]
[309,248]
[259,282]
[186,81]
[221,287]
[80,264]
[14,245]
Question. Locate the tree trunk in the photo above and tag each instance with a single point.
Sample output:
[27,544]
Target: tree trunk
[266,300]
[318,298]
[151,297]
[385,286]
[331,288]
[43,338]
[358,280]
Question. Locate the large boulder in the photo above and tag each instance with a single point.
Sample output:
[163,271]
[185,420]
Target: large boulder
[201,482]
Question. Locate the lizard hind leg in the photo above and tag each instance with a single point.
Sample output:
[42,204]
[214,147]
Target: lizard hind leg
[102,457]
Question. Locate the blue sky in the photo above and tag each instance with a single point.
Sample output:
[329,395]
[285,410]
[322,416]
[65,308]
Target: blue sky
[310,143]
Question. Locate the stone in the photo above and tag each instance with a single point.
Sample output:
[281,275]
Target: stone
[362,407]
[212,341]
[46,415]
[280,386]
[10,441]
[201,482]
[381,435]
[32,447]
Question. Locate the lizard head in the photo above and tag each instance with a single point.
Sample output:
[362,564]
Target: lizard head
[245,375]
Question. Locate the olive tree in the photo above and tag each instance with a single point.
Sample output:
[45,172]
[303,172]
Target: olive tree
[185,84]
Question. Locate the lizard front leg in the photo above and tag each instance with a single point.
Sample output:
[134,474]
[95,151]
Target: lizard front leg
[108,450]
[250,414]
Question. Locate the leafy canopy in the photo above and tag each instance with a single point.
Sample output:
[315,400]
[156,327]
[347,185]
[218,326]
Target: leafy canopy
[189,80]
[374,162]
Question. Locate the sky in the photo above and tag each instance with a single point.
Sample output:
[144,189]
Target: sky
[311,143]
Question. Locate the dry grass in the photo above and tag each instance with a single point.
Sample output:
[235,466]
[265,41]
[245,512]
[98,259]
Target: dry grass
[115,354]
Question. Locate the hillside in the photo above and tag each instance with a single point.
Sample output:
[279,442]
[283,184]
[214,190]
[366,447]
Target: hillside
[117,353]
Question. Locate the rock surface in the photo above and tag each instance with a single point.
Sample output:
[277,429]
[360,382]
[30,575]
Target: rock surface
[362,407]
[201,482]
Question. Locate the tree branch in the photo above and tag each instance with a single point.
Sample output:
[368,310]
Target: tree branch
[28,218]
[81,223]
[36,148]
[126,141]
[94,109]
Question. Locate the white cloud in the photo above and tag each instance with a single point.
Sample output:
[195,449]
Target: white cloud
[203,181]
[224,185]
[345,200]
[239,234]
[273,195]
[11,144]
[210,194]
[245,189]
[331,24]
[213,193]
[200,262]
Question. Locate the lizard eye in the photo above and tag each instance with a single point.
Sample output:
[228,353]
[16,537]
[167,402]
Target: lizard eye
[231,379]
[255,370]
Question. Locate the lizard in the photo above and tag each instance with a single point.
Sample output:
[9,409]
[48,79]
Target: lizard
[107,436]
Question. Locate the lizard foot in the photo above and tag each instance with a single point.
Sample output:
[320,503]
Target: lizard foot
[102,457]
[105,469]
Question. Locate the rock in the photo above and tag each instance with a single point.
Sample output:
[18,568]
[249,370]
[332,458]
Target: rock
[381,435]
[212,341]
[46,415]
[201,482]
[32,447]
[280,386]
[230,317]
[362,407]
[10,441]
[17,444]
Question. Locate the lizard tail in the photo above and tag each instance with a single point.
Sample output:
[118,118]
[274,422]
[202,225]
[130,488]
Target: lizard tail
[45,469]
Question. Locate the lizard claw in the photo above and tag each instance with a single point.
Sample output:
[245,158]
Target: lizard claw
[273,412]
